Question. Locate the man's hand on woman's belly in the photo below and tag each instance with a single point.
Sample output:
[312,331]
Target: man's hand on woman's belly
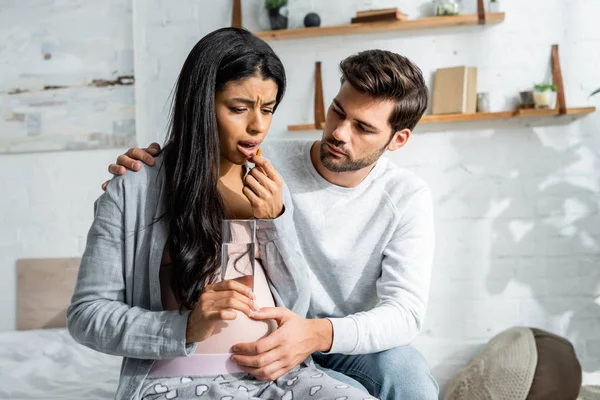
[294,340]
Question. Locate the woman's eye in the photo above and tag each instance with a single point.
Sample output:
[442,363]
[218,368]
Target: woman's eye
[338,113]
[267,111]
[238,110]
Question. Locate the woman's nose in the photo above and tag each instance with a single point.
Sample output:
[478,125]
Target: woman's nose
[258,123]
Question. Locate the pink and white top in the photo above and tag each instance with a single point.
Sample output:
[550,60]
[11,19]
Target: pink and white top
[212,356]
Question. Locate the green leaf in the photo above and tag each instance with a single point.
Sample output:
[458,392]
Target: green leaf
[542,87]
[595,92]
[275,4]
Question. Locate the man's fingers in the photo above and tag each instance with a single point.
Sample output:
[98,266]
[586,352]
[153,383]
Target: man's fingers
[105,185]
[277,313]
[116,169]
[279,373]
[257,361]
[268,343]
[128,162]
[153,149]
[138,154]
[245,348]
[269,373]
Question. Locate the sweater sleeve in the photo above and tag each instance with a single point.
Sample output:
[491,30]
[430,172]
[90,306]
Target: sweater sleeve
[402,289]
[98,316]
[283,260]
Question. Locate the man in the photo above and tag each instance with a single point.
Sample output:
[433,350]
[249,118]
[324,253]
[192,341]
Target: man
[366,231]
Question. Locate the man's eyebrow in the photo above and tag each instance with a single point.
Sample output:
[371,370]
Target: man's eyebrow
[338,105]
[366,124]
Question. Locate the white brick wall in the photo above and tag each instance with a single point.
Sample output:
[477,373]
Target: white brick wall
[516,205]
[62,65]
[46,198]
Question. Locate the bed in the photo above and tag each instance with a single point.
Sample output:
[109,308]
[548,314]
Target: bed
[40,360]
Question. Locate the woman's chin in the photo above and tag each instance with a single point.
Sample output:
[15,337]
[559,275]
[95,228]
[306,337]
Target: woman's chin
[237,159]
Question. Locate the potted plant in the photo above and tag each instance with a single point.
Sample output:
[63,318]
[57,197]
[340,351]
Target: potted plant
[544,95]
[276,18]
[494,6]
[444,8]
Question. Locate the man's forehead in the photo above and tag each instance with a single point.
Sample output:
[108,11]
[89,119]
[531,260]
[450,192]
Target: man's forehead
[363,106]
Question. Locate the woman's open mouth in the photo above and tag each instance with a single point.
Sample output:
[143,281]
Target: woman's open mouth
[248,147]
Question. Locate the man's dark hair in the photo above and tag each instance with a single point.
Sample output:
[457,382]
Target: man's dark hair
[389,76]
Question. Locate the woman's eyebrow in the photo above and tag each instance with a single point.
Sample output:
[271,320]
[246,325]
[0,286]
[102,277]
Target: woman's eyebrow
[251,102]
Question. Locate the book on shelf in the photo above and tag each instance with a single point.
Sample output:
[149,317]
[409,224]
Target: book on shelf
[397,16]
[455,90]
[368,13]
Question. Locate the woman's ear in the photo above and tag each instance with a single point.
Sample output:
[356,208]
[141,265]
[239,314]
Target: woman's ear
[400,138]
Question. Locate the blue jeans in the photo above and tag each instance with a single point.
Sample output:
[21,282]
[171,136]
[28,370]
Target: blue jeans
[401,373]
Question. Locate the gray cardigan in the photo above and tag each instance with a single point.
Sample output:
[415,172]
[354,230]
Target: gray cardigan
[116,307]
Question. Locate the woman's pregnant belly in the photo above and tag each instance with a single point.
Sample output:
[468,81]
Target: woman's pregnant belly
[242,329]
[212,355]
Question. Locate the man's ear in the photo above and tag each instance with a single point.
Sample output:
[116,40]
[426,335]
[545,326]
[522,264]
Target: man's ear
[399,139]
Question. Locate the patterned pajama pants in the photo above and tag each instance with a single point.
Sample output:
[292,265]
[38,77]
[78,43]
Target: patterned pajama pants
[304,382]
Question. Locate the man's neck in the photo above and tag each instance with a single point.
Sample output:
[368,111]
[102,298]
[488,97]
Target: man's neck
[349,179]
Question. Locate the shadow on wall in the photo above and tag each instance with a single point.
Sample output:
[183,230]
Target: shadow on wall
[540,191]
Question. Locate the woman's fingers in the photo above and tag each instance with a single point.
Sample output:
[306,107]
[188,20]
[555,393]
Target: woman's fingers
[221,315]
[231,284]
[264,180]
[217,296]
[228,303]
[260,190]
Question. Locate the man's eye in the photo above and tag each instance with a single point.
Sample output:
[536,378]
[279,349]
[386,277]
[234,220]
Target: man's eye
[363,129]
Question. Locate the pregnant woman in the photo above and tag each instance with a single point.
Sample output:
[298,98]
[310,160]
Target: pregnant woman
[149,287]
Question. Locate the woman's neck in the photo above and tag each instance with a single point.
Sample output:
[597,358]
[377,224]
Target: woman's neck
[229,171]
[231,185]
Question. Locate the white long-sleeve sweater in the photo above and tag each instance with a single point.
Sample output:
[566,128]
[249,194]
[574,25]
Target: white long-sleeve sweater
[369,249]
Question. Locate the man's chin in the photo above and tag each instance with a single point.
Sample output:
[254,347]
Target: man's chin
[332,165]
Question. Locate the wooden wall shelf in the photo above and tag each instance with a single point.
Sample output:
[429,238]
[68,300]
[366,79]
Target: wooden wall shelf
[502,115]
[374,27]
[529,113]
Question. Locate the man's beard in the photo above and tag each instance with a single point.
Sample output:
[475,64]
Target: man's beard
[346,164]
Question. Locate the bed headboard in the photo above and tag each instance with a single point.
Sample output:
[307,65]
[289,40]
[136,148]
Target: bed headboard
[44,290]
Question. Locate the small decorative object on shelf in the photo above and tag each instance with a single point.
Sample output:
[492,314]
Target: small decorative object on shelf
[544,95]
[446,7]
[527,99]
[277,13]
[494,6]
[483,102]
[312,19]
